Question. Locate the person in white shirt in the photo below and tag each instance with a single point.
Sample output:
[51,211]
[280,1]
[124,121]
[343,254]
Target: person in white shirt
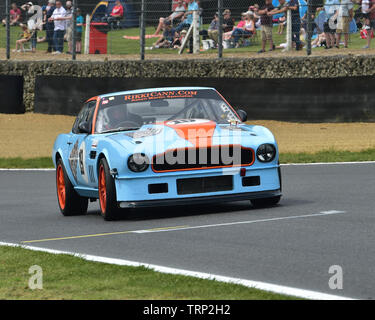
[365,6]
[177,14]
[59,19]
[345,15]
[69,25]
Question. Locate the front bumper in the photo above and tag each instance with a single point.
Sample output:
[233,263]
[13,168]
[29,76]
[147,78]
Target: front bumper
[200,199]
[134,192]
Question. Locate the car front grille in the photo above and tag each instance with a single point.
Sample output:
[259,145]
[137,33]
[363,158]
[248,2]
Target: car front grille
[203,158]
[204,185]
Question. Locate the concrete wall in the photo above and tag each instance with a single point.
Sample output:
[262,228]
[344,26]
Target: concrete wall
[11,91]
[307,100]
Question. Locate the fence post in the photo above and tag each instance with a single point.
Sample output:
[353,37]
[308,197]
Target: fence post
[289,44]
[309,28]
[143,30]
[7,28]
[196,42]
[87,35]
[74,17]
[220,37]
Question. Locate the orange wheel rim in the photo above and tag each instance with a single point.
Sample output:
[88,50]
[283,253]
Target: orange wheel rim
[102,190]
[61,192]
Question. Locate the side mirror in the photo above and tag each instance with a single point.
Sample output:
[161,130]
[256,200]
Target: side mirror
[84,127]
[242,114]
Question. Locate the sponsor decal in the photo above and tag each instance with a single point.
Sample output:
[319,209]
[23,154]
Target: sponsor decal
[186,122]
[94,144]
[73,160]
[82,161]
[77,160]
[227,113]
[160,95]
[148,132]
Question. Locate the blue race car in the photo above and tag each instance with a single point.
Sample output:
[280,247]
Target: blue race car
[166,146]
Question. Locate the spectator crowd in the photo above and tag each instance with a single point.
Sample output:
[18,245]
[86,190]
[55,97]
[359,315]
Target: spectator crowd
[330,30]
[330,27]
[55,19]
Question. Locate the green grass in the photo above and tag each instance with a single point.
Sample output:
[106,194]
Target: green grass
[26,163]
[118,45]
[328,156]
[322,156]
[69,277]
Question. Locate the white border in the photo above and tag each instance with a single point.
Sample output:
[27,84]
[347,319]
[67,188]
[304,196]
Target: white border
[295,292]
[282,165]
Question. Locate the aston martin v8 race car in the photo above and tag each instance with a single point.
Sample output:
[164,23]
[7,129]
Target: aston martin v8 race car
[166,146]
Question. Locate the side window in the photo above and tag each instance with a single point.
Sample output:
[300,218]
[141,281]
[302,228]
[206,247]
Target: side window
[79,118]
[86,114]
[90,114]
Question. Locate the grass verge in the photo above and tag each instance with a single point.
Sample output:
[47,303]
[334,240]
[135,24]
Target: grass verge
[21,163]
[69,277]
[328,156]
[321,156]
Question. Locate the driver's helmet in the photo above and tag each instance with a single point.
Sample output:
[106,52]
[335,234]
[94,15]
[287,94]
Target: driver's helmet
[116,115]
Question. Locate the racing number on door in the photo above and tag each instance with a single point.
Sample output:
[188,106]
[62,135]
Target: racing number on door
[81,163]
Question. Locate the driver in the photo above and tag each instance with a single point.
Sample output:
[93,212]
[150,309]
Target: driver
[120,115]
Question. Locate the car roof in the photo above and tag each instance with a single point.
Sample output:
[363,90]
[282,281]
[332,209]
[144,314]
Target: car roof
[152,90]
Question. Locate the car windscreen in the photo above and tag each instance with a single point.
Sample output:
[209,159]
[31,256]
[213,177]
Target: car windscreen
[131,111]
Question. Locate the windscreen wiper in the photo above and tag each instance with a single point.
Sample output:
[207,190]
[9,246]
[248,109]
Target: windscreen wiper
[119,130]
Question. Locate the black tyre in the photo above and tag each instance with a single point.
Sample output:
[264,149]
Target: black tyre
[70,203]
[265,202]
[109,208]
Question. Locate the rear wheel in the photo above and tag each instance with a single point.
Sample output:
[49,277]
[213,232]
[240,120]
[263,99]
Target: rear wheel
[107,192]
[70,203]
[265,202]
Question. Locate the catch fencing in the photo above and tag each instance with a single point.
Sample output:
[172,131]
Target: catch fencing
[170,28]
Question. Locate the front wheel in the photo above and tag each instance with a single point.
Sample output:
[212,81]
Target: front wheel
[109,209]
[70,202]
[265,202]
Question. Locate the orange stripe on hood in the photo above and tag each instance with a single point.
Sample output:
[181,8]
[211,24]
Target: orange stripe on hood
[197,131]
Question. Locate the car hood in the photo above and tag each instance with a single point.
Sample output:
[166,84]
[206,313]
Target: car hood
[157,138]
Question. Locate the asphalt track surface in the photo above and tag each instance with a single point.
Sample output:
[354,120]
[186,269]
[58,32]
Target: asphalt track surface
[326,217]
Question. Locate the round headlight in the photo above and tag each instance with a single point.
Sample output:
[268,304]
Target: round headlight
[138,162]
[266,152]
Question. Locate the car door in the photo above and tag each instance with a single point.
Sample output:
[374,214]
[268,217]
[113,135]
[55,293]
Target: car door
[79,141]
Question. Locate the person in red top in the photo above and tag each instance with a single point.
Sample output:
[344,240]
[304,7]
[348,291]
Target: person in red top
[15,15]
[118,10]
[371,16]
[116,15]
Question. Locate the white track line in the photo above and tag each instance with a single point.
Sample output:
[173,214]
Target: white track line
[186,227]
[323,213]
[301,293]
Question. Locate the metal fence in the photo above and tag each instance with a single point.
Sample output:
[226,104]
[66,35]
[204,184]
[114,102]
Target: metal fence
[146,28]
